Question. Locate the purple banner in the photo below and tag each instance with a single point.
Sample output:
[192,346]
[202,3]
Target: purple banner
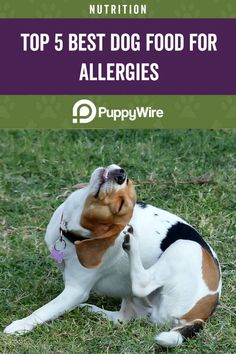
[44,67]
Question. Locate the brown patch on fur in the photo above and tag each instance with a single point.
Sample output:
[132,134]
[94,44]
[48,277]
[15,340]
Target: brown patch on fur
[210,270]
[203,309]
[105,217]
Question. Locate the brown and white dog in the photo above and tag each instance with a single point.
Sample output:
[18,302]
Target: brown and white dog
[165,271]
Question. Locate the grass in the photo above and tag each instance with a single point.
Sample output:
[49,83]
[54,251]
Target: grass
[37,170]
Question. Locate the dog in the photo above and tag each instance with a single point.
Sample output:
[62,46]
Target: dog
[109,243]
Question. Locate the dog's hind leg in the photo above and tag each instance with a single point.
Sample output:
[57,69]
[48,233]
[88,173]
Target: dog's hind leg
[144,281]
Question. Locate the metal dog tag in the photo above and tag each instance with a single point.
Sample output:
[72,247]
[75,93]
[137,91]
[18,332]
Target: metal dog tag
[57,252]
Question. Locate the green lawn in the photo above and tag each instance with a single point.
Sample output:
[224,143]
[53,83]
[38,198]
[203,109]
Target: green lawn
[37,170]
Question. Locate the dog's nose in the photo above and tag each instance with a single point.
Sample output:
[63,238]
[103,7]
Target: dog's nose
[119,175]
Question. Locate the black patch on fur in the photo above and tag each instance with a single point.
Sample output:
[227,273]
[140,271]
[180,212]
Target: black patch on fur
[126,244]
[130,229]
[156,214]
[142,204]
[190,330]
[181,231]
[72,237]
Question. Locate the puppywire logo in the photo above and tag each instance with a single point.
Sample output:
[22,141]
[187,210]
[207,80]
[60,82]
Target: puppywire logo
[87,111]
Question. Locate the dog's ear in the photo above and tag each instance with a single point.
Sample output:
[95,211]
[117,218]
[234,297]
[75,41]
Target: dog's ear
[80,185]
[90,252]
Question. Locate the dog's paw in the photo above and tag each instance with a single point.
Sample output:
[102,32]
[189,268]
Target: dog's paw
[129,240]
[19,327]
[126,242]
[88,307]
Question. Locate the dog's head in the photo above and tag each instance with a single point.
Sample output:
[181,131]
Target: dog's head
[107,210]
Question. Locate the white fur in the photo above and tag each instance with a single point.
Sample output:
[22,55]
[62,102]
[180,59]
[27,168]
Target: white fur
[169,339]
[160,288]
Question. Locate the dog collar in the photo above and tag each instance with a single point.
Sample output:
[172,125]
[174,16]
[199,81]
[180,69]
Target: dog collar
[71,236]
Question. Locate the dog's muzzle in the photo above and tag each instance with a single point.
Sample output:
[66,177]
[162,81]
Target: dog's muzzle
[107,179]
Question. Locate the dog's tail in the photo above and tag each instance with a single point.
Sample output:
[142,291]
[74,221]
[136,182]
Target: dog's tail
[178,334]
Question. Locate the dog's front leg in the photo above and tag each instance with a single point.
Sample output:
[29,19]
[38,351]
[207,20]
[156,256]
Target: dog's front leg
[66,301]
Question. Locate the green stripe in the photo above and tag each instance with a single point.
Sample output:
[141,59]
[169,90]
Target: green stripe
[179,111]
[155,8]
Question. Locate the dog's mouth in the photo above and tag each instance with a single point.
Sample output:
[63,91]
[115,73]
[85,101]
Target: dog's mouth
[110,176]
